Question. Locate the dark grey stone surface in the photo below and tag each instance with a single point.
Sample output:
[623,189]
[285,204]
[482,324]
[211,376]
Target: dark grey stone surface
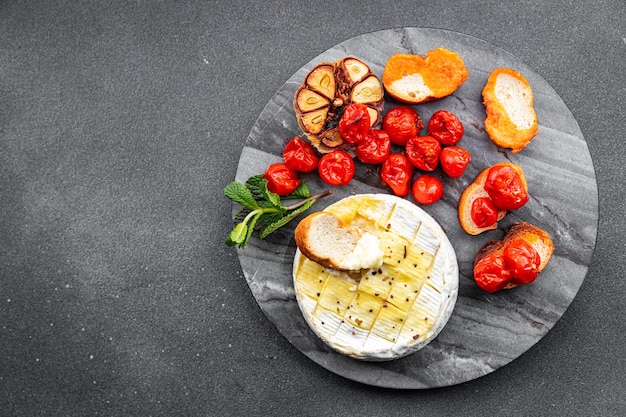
[120,125]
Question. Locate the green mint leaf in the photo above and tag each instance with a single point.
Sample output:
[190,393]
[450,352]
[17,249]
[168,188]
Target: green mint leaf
[241,215]
[251,225]
[272,227]
[301,192]
[263,210]
[237,235]
[268,218]
[257,186]
[274,199]
[240,194]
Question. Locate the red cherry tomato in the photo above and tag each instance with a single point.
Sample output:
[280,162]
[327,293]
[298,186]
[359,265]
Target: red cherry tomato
[402,123]
[336,168]
[427,189]
[354,123]
[375,148]
[505,188]
[523,260]
[281,179]
[300,156]
[454,160]
[491,273]
[445,127]
[396,171]
[484,213]
[423,152]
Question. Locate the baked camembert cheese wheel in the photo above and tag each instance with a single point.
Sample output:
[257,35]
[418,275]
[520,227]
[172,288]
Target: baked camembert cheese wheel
[390,311]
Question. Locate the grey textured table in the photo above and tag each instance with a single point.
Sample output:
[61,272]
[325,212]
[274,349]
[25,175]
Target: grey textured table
[120,125]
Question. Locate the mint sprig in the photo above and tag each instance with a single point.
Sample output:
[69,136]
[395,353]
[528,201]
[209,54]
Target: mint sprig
[264,210]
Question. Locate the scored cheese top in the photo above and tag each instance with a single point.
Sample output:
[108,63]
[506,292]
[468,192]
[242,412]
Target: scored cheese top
[390,311]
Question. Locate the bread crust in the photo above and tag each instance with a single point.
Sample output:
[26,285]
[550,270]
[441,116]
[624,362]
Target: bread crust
[499,125]
[535,236]
[475,190]
[424,78]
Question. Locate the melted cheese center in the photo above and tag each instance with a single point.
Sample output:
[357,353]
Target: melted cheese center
[366,254]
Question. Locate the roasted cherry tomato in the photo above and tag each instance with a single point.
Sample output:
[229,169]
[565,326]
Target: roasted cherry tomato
[491,273]
[445,127]
[281,179]
[505,188]
[354,123]
[427,189]
[423,152]
[396,171]
[523,260]
[375,148]
[300,156]
[484,213]
[402,123]
[454,160]
[336,168]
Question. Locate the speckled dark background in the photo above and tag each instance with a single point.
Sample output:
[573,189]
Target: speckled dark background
[120,124]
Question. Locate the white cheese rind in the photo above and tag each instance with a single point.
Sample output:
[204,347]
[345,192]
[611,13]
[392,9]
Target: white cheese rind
[368,323]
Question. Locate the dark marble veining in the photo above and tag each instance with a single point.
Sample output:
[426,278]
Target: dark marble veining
[486,331]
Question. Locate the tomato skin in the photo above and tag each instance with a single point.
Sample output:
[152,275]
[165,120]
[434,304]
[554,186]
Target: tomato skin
[375,148]
[505,188]
[300,156]
[397,171]
[523,260]
[491,273]
[281,179]
[445,127]
[454,160]
[354,123]
[402,123]
[484,212]
[423,152]
[427,189]
[336,168]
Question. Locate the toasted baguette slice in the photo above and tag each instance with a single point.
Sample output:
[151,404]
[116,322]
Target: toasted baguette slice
[475,190]
[511,119]
[323,238]
[417,79]
[537,237]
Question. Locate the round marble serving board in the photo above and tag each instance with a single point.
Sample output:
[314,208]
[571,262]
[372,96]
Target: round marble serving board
[486,331]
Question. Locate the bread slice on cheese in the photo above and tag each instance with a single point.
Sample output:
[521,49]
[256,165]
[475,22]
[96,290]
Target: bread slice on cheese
[323,238]
[511,120]
[386,312]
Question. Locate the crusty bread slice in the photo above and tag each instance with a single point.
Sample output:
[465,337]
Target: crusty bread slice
[509,103]
[322,238]
[417,79]
[537,237]
[475,190]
